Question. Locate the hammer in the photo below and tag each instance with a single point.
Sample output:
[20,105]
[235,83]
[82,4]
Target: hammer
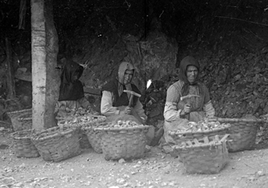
[131,96]
[188,97]
[188,102]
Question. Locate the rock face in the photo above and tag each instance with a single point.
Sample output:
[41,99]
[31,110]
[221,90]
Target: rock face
[230,44]
[153,58]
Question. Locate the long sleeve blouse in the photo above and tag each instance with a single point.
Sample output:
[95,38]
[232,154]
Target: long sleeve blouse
[174,105]
[108,109]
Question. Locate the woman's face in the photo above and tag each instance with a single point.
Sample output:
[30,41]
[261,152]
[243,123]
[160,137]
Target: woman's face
[128,76]
[191,74]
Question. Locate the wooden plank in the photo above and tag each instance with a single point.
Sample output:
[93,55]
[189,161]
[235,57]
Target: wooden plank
[10,80]
[92,91]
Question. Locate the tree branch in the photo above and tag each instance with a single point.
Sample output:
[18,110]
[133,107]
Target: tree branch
[256,23]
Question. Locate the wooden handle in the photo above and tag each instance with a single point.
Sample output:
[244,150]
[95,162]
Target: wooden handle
[130,100]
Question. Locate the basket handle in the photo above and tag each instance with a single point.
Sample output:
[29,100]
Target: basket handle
[224,138]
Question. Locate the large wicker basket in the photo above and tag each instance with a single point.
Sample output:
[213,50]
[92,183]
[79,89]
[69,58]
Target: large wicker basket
[83,140]
[17,119]
[184,136]
[126,143]
[242,133]
[57,144]
[203,156]
[94,136]
[23,145]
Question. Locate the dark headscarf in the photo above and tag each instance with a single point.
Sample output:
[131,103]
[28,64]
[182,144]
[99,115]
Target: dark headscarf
[185,62]
[71,87]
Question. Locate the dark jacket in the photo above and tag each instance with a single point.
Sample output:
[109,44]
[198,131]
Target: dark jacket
[71,88]
[121,100]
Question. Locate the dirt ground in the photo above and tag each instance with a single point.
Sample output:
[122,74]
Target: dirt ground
[157,169]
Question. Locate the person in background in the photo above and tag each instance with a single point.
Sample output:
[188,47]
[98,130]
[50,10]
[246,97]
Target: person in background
[71,95]
[115,102]
[194,107]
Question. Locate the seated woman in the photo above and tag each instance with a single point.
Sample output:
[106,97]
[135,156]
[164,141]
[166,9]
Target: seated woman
[187,99]
[71,95]
[115,102]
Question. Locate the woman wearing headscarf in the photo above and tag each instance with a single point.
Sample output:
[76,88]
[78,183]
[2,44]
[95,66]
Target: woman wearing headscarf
[115,102]
[71,95]
[187,99]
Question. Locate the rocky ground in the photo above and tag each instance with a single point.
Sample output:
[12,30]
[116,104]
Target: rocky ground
[246,169]
[229,38]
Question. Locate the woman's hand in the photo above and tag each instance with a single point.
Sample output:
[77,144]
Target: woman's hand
[125,110]
[187,108]
[128,110]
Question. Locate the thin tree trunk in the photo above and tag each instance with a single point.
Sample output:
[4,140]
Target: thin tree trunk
[45,81]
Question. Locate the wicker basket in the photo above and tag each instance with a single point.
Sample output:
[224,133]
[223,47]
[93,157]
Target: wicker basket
[25,120]
[180,137]
[5,124]
[23,145]
[242,132]
[94,136]
[83,140]
[126,143]
[203,156]
[57,144]
[17,120]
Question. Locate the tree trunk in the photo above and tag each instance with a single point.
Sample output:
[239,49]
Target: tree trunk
[45,79]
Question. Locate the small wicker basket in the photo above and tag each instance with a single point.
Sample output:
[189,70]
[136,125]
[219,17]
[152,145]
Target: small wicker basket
[126,143]
[17,119]
[57,144]
[203,156]
[180,137]
[5,124]
[242,132]
[25,120]
[23,145]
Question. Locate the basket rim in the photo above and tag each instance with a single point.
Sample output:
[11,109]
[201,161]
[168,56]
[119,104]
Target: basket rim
[77,125]
[176,132]
[202,145]
[25,119]
[120,129]
[40,136]
[101,124]
[22,110]
[5,122]
[15,136]
[80,116]
[249,120]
